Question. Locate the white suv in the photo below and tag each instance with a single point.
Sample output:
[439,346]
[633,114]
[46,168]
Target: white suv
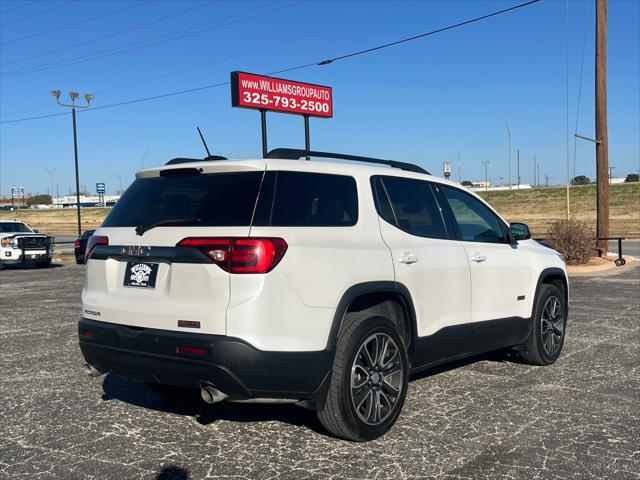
[315,282]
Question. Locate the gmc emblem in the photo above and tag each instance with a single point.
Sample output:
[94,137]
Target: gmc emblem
[135,250]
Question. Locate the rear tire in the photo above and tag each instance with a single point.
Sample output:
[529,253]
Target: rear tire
[79,261]
[546,339]
[369,379]
[44,264]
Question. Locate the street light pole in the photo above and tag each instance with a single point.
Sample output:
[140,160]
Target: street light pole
[74,95]
[486,176]
[509,133]
[518,169]
[50,172]
[119,182]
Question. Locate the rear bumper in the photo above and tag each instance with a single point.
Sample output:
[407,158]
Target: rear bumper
[230,364]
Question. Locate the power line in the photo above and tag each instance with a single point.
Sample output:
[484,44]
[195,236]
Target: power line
[415,37]
[69,25]
[149,79]
[37,13]
[17,7]
[145,43]
[112,34]
[299,67]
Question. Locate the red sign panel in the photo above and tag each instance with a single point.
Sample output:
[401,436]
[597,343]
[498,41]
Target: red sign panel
[280,95]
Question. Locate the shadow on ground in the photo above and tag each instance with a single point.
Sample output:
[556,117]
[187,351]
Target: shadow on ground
[188,402]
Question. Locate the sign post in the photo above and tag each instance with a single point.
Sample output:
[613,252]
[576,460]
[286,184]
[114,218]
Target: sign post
[100,190]
[446,170]
[259,92]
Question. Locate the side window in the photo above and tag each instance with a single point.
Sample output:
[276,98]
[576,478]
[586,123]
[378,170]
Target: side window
[382,201]
[475,221]
[414,207]
[303,199]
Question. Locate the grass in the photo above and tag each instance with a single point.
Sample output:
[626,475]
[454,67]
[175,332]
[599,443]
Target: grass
[536,207]
[540,207]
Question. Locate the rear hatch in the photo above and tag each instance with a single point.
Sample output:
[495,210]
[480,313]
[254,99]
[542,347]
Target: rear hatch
[138,275]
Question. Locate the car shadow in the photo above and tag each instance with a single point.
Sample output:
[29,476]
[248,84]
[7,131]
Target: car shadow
[188,402]
[172,472]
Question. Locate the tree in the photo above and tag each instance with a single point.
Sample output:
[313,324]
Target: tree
[580,180]
[39,200]
[466,183]
[632,177]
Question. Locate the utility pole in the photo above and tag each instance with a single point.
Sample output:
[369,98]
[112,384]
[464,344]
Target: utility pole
[546,180]
[518,169]
[509,134]
[535,178]
[74,95]
[119,182]
[459,170]
[611,173]
[486,176]
[602,147]
[538,177]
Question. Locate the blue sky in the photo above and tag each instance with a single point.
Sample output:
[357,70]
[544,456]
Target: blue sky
[426,101]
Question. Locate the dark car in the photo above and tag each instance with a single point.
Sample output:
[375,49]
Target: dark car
[81,245]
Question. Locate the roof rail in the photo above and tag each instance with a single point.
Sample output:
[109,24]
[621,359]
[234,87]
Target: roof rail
[296,154]
[175,161]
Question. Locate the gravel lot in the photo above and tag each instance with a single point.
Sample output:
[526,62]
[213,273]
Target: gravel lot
[486,418]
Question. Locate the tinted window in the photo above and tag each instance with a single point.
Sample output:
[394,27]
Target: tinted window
[382,201]
[11,227]
[88,233]
[414,207]
[220,200]
[476,222]
[301,199]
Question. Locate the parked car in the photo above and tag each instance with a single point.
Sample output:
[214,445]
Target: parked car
[319,283]
[19,244]
[80,246]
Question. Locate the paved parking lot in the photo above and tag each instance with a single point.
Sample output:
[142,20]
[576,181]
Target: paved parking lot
[487,418]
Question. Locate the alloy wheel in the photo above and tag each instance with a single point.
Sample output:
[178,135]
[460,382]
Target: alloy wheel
[376,378]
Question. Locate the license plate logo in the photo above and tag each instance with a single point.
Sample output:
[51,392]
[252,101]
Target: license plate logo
[141,275]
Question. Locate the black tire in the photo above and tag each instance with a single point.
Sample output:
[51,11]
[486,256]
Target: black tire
[340,415]
[546,339]
[44,264]
[79,261]
[620,262]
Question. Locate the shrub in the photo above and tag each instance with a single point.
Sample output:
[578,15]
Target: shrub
[573,239]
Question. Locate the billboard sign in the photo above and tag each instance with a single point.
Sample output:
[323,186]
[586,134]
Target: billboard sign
[260,92]
[100,188]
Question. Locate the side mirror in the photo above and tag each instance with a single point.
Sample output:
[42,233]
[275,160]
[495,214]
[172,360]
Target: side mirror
[520,231]
[36,231]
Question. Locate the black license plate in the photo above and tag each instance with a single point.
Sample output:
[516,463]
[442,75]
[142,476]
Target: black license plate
[140,274]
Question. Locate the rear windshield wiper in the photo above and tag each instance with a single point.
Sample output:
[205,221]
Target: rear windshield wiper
[140,229]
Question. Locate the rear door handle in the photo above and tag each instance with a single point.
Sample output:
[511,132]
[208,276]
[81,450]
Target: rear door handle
[408,258]
[478,258]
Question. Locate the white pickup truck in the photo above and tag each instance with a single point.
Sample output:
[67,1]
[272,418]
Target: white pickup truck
[19,244]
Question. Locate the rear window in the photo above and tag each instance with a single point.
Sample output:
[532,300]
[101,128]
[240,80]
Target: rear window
[217,200]
[286,199]
[301,199]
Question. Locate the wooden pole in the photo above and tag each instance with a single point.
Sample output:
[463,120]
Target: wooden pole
[602,147]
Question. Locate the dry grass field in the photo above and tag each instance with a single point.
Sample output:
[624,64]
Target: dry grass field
[540,207]
[537,207]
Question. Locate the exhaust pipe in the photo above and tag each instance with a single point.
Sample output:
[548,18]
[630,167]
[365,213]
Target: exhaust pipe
[211,394]
[92,371]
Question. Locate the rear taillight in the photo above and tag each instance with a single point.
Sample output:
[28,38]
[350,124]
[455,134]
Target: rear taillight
[77,243]
[93,242]
[240,255]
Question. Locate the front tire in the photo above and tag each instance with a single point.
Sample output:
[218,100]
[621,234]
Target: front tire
[546,339]
[369,379]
